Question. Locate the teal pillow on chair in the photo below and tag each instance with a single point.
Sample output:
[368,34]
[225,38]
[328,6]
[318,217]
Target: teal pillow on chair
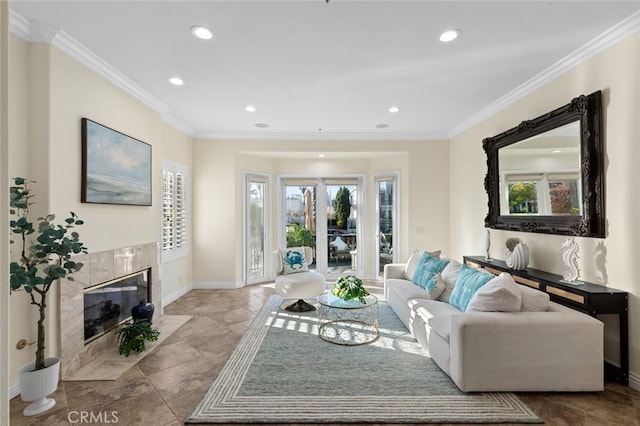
[426,273]
[469,281]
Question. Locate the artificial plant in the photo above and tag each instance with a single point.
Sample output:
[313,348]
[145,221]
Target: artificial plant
[45,254]
[133,335]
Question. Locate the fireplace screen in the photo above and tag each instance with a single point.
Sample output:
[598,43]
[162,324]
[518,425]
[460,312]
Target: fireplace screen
[109,304]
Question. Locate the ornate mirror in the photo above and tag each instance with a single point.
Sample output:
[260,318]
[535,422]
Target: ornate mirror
[547,174]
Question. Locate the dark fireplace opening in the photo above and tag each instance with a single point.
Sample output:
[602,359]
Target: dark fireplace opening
[109,304]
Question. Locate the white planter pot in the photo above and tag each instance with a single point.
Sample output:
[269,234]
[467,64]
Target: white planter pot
[37,385]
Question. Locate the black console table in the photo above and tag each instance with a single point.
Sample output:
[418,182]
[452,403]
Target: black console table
[592,299]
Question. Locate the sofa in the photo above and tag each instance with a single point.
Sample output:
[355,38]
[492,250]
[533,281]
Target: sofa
[527,343]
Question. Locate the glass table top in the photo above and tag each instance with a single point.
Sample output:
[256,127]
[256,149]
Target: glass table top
[328,299]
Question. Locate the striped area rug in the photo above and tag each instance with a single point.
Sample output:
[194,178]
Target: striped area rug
[282,372]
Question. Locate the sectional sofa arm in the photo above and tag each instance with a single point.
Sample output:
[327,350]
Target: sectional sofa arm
[394,270]
[522,351]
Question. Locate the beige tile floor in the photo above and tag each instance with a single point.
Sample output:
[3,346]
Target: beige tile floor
[165,385]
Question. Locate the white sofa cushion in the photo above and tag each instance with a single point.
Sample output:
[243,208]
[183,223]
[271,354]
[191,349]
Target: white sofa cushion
[406,290]
[437,315]
[534,300]
[500,294]
[450,276]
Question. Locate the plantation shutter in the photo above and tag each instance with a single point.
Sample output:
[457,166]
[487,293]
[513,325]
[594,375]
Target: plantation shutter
[180,211]
[168,210]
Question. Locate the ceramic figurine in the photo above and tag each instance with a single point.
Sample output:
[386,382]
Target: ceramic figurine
[488,246]
[517,254]
[570,254]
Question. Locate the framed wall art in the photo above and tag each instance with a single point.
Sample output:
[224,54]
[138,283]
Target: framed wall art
[116,168]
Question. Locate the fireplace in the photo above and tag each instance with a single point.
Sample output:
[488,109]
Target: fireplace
[109,304]
[85,337]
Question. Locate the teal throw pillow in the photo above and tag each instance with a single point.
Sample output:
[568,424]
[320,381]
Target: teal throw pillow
[468,282]
[426,271]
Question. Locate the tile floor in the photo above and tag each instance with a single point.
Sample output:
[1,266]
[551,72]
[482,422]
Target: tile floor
[165,385]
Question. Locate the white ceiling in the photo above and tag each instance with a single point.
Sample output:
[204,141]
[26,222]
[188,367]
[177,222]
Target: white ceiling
[316,69]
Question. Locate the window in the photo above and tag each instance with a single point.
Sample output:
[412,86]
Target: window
[175,237]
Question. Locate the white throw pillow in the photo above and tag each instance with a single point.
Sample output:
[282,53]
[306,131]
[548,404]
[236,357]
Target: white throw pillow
[414,260]
[500,294]
[450,276]
[534,300]
[293,260]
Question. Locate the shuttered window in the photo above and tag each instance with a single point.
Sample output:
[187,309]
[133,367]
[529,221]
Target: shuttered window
[175,235]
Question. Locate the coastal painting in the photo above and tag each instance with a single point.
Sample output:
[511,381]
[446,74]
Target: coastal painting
[116,168]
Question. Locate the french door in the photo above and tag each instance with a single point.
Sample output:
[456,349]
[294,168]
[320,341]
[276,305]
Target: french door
[255,233]
[323,213]
[386,220]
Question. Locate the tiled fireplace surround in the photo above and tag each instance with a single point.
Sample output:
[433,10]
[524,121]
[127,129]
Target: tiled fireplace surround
[98,268]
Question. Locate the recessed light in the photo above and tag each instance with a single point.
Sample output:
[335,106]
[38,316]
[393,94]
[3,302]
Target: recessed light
[556,151]
[202,32]
[449,35]
[177,81]
[321,155]
[394,109]
[250,108]
[382,126]
[261,125]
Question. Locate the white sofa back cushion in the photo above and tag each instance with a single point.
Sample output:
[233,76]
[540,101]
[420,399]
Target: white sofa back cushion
[500,294]
[534,300]
[450,276]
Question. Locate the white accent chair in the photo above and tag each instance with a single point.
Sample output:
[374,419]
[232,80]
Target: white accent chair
[298,285]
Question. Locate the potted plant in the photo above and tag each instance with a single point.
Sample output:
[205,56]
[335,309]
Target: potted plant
[132,336]
[45,258]
[350,287]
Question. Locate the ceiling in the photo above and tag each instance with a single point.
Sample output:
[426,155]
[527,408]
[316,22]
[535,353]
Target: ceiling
[314,69]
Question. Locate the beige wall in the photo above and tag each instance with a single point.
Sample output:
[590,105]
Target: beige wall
[4,210]
[218,244]
[51,92]
[611,261]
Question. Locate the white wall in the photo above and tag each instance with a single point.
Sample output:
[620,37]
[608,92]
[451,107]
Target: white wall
[49,94]
[218,245]
[611,261]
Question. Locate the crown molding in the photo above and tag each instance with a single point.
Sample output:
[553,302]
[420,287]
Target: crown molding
[613,35]
[37,32]
[352,136]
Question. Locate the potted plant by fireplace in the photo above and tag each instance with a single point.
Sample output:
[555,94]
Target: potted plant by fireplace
[43,256]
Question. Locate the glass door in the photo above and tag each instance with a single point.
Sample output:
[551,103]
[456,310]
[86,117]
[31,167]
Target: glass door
[256,211]
[322,213]
[300,215]
[342,226]
[386,211]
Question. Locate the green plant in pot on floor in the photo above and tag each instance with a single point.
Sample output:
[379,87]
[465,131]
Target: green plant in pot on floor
[350,287]
[133,336]
[45,256]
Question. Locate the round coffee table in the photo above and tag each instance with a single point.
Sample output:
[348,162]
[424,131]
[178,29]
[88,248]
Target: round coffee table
[347,322]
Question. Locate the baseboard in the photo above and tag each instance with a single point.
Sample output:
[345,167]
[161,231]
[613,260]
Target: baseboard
[634,381]
[14,390]
[175,295]
[209,285]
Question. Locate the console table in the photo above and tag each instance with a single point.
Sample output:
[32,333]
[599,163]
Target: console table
[592,299]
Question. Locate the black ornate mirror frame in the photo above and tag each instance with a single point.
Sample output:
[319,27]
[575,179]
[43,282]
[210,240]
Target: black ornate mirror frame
[586,109]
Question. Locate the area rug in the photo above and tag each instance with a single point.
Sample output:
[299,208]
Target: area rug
[282,372]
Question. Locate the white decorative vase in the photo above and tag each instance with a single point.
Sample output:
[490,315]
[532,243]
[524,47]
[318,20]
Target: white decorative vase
[517,254]
[37,385]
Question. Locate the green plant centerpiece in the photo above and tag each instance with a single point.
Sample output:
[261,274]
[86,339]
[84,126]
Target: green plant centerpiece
[350,287]
[133,335]
[45,255]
